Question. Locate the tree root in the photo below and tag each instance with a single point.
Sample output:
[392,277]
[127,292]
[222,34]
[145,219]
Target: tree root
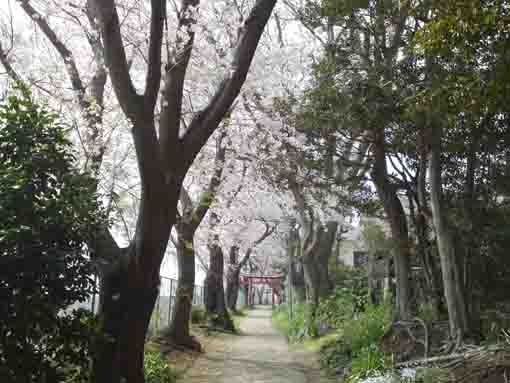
[169,343]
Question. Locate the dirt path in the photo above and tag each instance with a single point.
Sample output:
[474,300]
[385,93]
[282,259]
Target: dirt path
[258,355]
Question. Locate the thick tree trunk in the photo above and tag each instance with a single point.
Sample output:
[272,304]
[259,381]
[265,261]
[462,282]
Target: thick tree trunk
[125,311]
[398,223]
[449,266]
[130,287]
[216,308]
[179,330]
[316,269]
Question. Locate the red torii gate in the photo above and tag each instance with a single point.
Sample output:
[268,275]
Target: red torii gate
[272,280]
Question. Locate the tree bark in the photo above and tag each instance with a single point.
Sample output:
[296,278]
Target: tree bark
[234,270]
[296,272]
[179,330]
[452,283]
[316,263]
[216,308]
[387,193]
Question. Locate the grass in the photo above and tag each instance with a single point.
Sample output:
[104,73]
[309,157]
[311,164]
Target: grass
[315,344]
[281,322]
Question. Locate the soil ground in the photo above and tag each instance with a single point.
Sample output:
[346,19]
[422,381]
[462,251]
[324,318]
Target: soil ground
[258,355]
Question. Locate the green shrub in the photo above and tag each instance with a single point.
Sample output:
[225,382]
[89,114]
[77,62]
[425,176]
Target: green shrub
[368,327]
[426,312]
[280,318]
[157,369]
[198,314]
[368,362]
[335,354]
[49,211]
[357,339]
[430,375]
[336,308]
[348,298]
[295,328]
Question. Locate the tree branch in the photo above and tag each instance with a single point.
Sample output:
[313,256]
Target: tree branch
[205,122]
[208,196]
[11,72]
[63,51]
[153,78]
[171,100]
[115,57]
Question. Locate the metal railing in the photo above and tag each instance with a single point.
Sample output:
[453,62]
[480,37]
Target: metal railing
[162,315]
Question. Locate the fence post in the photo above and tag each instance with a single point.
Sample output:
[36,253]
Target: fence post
[170,304]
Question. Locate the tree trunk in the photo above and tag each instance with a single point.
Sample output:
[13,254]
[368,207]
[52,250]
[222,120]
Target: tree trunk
[372,290]
[316,268]
[125,311]
[216,308]
[233,288]
[451,277]
[398,223]
[296,273]
[471,247]
[179,330]
[130,287]
[324,256]
[234,270]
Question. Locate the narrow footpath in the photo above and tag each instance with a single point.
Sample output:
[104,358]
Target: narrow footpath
[258,355]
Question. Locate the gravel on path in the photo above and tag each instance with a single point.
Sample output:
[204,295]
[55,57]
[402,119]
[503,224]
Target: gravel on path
[258,355]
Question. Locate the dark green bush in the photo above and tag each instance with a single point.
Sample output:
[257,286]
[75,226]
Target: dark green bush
[49,213]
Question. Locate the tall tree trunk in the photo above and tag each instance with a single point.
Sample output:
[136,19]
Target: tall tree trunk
[372,290]
[387,193]
[316,268]
[449,266]
[234,270]
[129,290]
[296,269]
[472,257]
[179,330]
[216,308]
[323,257]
